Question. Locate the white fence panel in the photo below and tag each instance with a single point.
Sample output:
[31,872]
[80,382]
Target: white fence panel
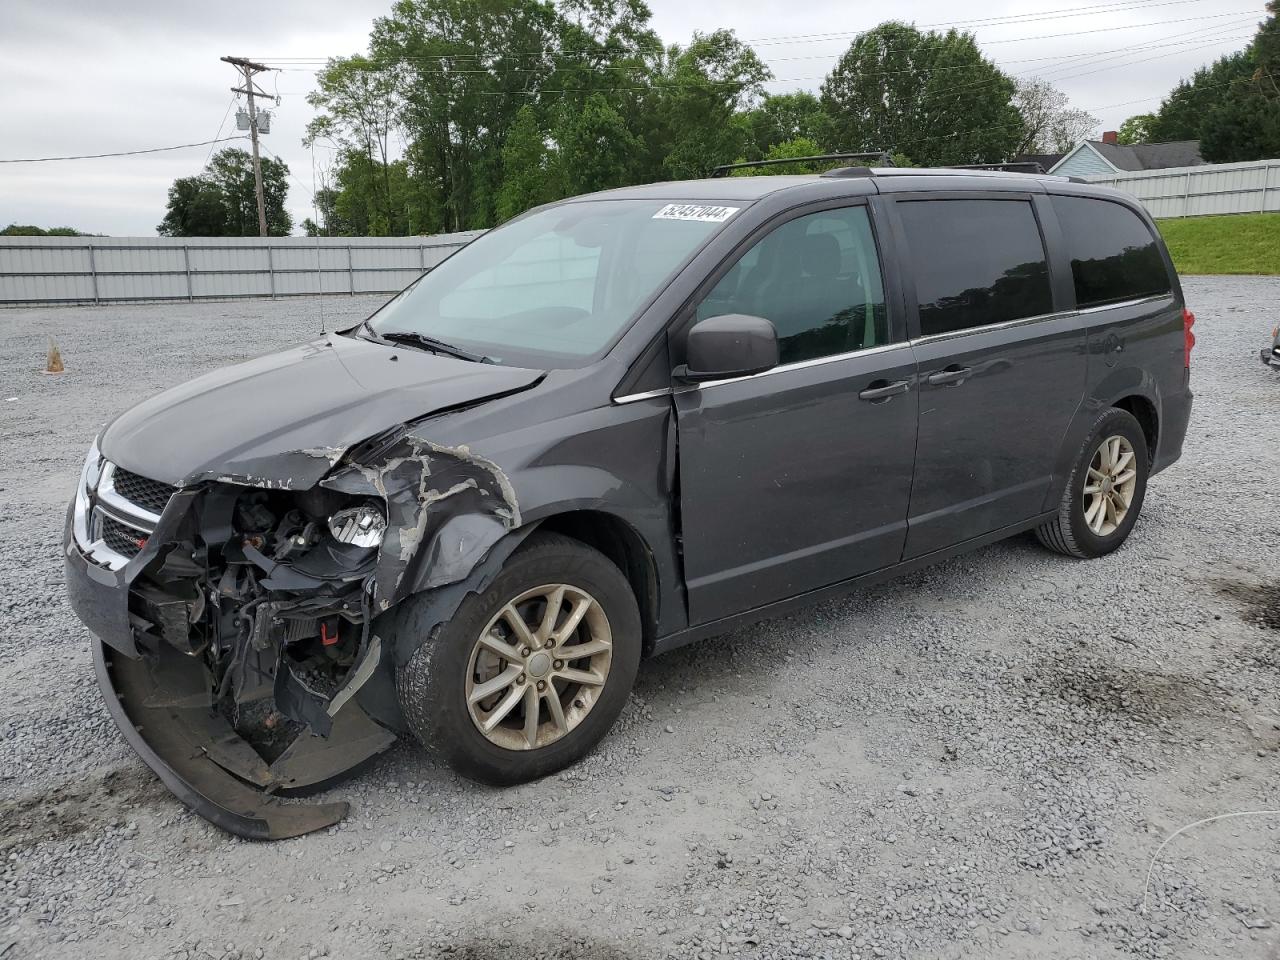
[1209,190]
[103,269]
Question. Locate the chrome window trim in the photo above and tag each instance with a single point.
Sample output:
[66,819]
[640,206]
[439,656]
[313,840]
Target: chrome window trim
[1039,318]
[804,364]
[987,327]
[646,395]
[1127,303]
[885,347]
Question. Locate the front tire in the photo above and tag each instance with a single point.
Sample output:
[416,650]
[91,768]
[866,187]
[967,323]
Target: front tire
[1104,493]
[528,676]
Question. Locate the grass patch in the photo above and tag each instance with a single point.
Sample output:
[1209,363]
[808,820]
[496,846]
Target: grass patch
[1241,243]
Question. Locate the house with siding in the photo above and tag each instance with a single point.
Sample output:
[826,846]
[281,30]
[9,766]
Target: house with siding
[1107,157]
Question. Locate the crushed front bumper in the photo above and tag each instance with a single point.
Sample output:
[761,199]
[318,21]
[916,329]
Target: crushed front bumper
[161,700]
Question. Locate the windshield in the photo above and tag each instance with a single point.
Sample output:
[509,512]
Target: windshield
[555,287]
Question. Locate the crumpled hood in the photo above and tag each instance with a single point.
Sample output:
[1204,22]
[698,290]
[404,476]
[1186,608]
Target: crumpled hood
[284,419]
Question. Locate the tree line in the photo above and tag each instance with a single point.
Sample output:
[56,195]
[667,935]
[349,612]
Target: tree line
[1231,106]
[500,106]
[464,113]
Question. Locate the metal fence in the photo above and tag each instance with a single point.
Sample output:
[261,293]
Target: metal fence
[41,270]
[1218,188]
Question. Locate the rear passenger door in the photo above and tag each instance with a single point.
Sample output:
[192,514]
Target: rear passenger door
[1000,373]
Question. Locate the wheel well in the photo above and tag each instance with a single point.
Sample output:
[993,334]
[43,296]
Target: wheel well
[617,540]
[1144,411]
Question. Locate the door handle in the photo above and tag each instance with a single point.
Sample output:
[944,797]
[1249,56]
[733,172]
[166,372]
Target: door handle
[956,375]
[883,390]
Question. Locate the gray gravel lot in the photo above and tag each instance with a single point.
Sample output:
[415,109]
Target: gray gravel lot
[978,760]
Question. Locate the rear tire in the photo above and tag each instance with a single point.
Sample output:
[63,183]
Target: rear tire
[468,691]
[1104,494]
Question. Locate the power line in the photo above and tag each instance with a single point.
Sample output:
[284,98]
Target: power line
[122,153]
[708,84]
[1066,61]
[1011,20]
[377,66]
[231,103]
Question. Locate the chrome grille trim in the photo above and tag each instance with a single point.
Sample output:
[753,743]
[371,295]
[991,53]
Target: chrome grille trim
[106,504]
[125,510]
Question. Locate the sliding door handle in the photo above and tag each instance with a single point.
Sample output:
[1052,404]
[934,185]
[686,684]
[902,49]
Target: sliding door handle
[953,374]
[883,390]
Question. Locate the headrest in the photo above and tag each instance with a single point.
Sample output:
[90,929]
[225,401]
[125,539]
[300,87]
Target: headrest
[820,254]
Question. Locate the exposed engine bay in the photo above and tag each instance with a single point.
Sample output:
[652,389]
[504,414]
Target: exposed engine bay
[279,611]
[239,652]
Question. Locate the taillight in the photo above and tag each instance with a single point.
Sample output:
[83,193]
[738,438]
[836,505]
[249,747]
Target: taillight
[1188,338]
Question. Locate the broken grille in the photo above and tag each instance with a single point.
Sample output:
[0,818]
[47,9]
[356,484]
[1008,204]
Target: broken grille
[152,495]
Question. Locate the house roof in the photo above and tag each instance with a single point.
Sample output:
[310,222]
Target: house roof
[1149,156]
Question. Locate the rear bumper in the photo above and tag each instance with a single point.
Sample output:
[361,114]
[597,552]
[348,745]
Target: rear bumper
[1175,416]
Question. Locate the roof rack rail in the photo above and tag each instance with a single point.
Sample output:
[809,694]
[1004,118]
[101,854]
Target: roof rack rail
[1022,166]
[880,156]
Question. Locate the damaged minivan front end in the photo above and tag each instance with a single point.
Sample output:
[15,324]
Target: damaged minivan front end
[236,600]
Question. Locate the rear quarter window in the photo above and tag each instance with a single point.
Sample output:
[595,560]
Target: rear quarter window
[1114,256]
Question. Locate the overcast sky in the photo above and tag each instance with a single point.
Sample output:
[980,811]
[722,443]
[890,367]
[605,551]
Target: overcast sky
[87,77]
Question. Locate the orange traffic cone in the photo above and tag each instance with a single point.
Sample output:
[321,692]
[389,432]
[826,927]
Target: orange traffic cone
[54,362]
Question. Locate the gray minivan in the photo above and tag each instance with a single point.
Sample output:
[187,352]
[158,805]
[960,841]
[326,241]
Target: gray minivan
[612,426]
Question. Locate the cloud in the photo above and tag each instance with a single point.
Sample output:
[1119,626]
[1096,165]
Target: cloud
[81,76]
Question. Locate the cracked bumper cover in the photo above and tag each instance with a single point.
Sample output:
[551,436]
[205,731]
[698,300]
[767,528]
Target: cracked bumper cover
[160,700]
[450,515]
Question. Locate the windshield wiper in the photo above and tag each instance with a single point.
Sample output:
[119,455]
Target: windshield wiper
[414,339]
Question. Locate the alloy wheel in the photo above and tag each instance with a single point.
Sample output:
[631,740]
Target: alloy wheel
[1109,485]
[538,667]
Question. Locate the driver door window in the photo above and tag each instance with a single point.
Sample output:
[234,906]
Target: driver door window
[817,279]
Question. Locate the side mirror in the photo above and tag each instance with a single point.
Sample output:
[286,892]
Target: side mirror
[733,345]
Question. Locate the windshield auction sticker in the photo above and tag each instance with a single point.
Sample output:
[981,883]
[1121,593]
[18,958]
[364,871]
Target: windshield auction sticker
[695,211]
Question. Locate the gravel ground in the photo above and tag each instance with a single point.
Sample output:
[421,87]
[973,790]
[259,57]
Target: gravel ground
[978,760]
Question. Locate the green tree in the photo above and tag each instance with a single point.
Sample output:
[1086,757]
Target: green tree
[527,175]
[1182,114]
[596,148]
[1266,49]
[29,230]
[1231,106]
[784,117]
[196,209]
[1227,107]
[1137,129]
[786,150]
[359,109]
[701,88]
[220,201]
[464,68]
[931,95]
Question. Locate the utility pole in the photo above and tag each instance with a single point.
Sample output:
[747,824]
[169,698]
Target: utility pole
[249,68]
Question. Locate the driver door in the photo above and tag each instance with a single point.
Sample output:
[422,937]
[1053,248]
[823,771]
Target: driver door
[800,476]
